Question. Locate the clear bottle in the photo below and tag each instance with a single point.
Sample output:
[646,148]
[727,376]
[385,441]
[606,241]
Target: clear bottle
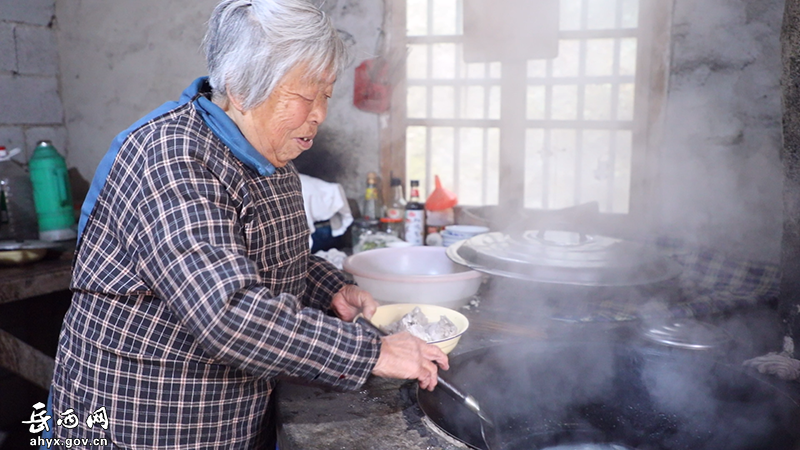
[397,207]
[363,230]
[372,208]
[17,210]
[392,227]
[415,217]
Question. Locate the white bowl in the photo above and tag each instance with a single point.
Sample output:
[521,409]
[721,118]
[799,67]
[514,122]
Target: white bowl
[413,275]
[464,231]
[449,242]
[388,314]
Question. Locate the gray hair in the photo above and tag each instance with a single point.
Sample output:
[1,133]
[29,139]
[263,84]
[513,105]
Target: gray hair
[251,44]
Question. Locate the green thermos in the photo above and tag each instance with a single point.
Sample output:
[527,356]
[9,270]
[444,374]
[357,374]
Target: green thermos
[52,193]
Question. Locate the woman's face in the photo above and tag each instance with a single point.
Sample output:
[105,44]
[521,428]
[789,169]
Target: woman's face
[285,124]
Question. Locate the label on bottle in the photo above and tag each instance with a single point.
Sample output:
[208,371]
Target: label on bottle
[394,213]
[414,226]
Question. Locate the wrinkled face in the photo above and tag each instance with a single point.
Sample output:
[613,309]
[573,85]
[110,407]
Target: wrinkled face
[285,124]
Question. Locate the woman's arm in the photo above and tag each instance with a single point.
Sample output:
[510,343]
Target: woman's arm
[192,255]
[324,280]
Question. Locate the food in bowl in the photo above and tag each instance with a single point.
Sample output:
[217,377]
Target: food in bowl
[418,325]
[413,274]
[388,314]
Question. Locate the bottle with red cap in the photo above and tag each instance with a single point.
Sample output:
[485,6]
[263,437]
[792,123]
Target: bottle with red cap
[415,217]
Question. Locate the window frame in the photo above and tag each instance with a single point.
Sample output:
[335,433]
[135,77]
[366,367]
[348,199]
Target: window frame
[652,77]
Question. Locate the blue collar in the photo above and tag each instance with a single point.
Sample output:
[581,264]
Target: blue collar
[225,129]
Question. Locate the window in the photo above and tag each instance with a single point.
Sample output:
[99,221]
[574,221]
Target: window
[538,134]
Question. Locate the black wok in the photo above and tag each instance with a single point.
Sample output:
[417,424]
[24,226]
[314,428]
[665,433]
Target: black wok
[624,396]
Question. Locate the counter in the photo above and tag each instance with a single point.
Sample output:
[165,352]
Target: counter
[384,414]
[19,283]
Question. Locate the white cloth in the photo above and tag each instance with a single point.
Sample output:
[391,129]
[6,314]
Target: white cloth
[782,364]
[326,201]
[333,256]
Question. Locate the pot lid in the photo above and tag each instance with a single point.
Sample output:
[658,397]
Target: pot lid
[687,334]
[564,257]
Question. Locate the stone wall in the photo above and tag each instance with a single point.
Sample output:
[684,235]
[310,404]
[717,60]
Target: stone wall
[790,260]
[719,164]
[119,61]
[30,102]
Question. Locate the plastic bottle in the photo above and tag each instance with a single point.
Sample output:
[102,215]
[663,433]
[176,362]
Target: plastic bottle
[415,217]
[439,209]
[363,230]
[393,227]
[17,211]
[52,193]
[372,208]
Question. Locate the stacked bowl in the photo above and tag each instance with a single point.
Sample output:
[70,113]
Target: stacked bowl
[454,233]
[417,274]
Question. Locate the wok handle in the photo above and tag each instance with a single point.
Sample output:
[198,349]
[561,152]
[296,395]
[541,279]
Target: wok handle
[444,384]
[361,320]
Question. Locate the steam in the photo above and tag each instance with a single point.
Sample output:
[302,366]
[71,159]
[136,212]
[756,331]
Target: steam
[720,169]
[584,392]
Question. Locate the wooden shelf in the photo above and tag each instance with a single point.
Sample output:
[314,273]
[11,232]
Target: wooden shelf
[39,278]
[20,283]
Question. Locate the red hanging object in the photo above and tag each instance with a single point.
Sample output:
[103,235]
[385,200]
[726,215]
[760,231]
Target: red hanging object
[372,91]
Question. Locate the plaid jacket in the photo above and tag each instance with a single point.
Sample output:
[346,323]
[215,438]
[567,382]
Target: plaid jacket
[193,288]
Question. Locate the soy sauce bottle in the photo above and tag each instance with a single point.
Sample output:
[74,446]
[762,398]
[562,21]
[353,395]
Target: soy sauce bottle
[415,217]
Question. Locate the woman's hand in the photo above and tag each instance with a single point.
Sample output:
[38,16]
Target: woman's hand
[352,300]
[407,357]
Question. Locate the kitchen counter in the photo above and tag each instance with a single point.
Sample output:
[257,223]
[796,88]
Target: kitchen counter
[19,283]
[384,414]
[30,280]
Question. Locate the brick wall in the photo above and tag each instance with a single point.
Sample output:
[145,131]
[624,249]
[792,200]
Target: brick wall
[30,102]
[30,110]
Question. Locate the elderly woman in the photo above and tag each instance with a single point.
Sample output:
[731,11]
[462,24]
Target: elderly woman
[193,283]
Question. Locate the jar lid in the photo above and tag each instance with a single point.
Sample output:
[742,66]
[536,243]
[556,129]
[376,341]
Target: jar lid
[391,220]
[687,334]
[564,257]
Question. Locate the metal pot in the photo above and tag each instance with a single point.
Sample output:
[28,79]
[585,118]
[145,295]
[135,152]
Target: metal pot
[565,271]
[564,257]
[623,396]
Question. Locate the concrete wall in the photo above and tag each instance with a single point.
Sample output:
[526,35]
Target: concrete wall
[30,105]
[119,60]
[720,168]
[720,175]
[347,147]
